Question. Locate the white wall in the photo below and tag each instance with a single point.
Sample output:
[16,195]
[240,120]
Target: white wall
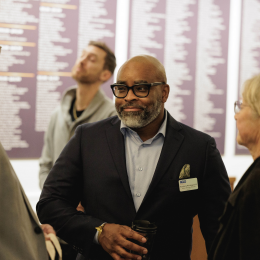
[27,170]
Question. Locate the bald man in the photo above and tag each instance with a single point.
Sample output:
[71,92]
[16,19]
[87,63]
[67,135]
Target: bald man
[139,165]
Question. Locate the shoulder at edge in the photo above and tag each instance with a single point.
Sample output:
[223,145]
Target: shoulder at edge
[102,123]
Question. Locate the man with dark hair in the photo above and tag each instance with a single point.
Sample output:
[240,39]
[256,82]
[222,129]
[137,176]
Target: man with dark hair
[110,59]
[80,104]
[141,165]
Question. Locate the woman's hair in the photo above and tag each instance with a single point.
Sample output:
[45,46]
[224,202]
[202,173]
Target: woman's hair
[251,93]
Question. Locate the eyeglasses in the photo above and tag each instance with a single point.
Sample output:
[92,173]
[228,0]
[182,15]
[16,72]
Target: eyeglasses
[238,106]
[141,90]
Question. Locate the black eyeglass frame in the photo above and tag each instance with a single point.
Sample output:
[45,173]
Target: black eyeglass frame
[149,85]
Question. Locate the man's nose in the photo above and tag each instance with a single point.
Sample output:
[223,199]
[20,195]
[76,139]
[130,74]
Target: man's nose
[82,59]
[130,95]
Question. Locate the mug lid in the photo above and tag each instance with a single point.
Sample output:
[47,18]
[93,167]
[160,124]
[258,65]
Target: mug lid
[144,225]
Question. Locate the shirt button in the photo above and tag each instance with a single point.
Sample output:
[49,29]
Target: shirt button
[140,168]
[138,194]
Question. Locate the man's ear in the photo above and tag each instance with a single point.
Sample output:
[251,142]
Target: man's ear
[105,75]
[165,92]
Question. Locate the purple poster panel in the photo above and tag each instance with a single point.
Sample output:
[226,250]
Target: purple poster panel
[57,52]
[211,69]
[249,64]
[180,58]
[191,39]
[41,41]
[97,22]
[147,28]
[19,21]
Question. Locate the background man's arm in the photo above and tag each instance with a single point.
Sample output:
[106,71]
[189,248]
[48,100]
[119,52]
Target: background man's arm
[46,160]
[214,193]
[47,230]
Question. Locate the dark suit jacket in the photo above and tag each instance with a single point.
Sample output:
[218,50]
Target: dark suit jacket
[92,169]
[239,234]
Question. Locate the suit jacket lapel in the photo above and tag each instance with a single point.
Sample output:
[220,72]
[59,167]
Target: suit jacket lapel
[172,143]
[116,144]
[28,205]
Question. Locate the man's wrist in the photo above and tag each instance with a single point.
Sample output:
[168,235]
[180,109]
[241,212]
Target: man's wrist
[98,233]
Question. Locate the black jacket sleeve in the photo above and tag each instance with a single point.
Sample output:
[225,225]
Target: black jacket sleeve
[62,193]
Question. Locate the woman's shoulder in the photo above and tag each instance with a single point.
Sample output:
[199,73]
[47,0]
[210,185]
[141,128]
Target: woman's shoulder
[249,184]
[255,171]
[252,182]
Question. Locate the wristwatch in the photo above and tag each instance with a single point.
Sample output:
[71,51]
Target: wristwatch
[100,229]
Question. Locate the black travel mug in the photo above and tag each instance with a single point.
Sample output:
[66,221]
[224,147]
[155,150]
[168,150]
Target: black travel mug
[148,230]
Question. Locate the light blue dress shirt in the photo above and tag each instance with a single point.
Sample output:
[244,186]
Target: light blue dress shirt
[141,159]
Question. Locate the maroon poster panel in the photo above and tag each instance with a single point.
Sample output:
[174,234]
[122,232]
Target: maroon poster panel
[147,28]
[57,52]
[19,22]
[97,22]
[41,41]
[249,64]
[191,39]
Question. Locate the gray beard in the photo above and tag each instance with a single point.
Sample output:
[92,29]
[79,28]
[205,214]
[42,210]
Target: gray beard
[136,119]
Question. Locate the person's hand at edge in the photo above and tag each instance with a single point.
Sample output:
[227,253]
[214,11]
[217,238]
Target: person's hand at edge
[114,240]
[80,208]
[47,229]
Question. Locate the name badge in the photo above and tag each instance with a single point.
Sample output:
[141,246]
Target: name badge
[188,184]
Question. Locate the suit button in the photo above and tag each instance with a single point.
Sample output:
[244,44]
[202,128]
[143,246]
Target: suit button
[37,230]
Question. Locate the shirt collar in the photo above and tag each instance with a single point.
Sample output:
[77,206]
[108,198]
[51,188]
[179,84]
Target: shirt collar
[162,129]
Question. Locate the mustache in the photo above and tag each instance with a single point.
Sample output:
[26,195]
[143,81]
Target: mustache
[131,104]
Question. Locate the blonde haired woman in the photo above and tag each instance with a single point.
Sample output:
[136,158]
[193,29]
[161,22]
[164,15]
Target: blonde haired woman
[239,234]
